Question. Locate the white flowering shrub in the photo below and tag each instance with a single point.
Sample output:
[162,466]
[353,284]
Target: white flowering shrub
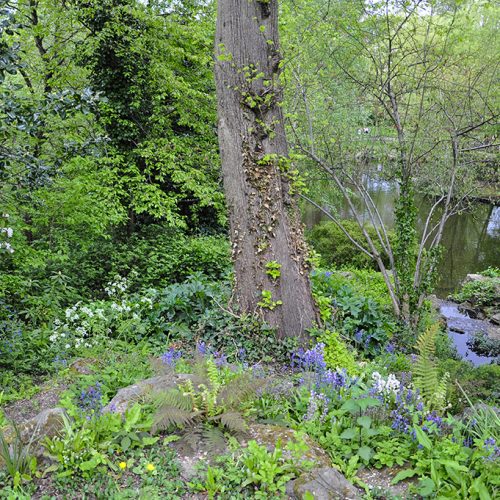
[6,234]
[85,325]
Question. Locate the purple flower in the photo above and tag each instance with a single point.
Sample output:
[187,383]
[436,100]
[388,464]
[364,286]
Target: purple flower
[220,359]
[327,274]
[170,357]
[201,348]
[310,360]
[490,442]
[90,401]
[390,348]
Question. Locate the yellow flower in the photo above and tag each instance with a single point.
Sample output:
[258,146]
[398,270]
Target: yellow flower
[150,467]
[122,465]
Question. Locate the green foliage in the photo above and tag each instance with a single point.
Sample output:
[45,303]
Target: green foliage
[479,382]
[336,352]
[482,293]
[206,405]
[360,319]
[256,472]
[16,457]
[433,387]
[267,301]
[336,249]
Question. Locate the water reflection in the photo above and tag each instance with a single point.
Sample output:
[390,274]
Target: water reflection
[471,240]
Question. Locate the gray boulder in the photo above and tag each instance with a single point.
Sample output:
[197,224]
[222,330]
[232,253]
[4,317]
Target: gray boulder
[127,396]
[324,483]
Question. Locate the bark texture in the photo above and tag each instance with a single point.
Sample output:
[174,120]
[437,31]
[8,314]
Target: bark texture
[264,219]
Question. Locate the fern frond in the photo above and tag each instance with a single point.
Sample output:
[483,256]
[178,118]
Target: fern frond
[169,415]
[232,420]
[238,390]
[214,439]
[426,372]
[194,436]
[173,398]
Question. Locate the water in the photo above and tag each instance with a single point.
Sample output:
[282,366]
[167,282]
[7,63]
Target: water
[457,323]
[471,240]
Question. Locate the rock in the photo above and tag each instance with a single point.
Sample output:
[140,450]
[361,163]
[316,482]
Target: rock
[493,332]
[83,366]
[324,483]
[468,309]
[268,435]
[127,396]
[455,328]
[47,423]
[475,277]
[495,319]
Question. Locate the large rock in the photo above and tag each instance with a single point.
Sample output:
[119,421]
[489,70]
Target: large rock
[324,483]
[32,432]
[127,396]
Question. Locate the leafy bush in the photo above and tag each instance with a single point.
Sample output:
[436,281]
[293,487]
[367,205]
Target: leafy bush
[337,353]
[336,249]
[360,319]
[481,293]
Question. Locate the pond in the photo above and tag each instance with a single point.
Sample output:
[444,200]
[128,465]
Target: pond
[471,240]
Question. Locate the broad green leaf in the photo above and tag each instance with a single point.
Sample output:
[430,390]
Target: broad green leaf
[426,486]
[404,474]
[368,403]
[349,433]
[365,452]
[364,421]
[422,438]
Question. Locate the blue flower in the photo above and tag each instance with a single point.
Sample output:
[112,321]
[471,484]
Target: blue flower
[171,356]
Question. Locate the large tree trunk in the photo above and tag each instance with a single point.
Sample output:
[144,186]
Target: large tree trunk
[264,219]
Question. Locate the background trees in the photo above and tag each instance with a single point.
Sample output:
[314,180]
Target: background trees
[404,71]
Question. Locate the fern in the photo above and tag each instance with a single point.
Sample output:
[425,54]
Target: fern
[206,406]
[232,421]
[426,373]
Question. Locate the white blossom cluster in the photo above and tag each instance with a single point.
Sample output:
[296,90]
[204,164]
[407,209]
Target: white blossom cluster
[84,324]
[8,232]
[116,287]
[382,386]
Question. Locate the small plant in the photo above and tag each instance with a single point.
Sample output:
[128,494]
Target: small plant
[15,455]
[206,405]
[273,270]
[267,301]
[433,388]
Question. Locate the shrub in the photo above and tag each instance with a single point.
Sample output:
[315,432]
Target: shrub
[336,249]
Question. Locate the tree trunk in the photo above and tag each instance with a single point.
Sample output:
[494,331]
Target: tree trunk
[266,231]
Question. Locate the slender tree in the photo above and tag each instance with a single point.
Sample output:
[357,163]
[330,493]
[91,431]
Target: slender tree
[269,252]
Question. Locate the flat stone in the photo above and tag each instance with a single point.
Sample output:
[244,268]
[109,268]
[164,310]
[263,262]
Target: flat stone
[127,396]
[475,277]
[83,366]
[324,483]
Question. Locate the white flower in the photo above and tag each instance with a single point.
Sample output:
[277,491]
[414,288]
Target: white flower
[67,346]
[5,216]
[8,230]
[53,337]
